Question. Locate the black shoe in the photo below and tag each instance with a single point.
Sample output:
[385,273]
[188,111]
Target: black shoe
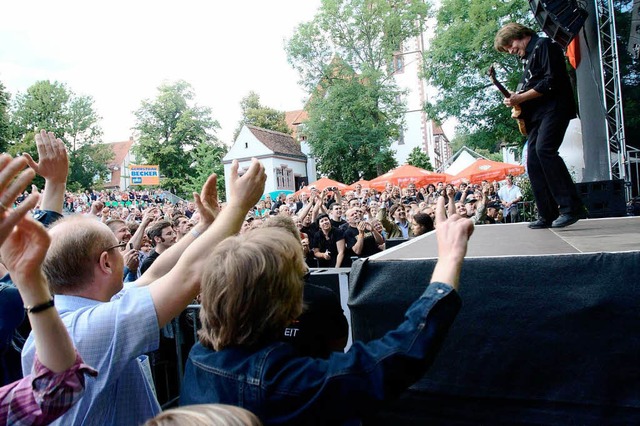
[539,224]
[565,219]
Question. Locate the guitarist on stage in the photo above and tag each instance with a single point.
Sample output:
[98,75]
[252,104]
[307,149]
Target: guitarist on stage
[546,99]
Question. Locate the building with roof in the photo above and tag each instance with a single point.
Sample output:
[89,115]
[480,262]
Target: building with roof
[283,159]
[461,160]
[120,176]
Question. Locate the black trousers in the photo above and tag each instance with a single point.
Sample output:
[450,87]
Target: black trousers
[552,186]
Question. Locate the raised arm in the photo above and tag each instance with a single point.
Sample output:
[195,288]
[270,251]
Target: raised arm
[172,292]
[53,166]
[147,218]
[452,235]
[207,202]
[305,210]
[451,203]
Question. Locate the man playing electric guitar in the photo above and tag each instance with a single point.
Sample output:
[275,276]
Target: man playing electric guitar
[547,102]
[516,111]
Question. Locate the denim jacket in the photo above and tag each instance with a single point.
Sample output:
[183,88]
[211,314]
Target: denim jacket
[281,387]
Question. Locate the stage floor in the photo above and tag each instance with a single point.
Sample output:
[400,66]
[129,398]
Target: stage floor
[586,236]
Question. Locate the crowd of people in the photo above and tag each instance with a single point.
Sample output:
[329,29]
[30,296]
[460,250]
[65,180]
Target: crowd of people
[98,286]
[335,228]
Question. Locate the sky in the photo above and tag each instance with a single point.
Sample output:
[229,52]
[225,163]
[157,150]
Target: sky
[119,52]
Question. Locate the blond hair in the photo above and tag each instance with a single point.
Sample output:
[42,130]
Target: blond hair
[510,32]
[205,415]
[283,222]
[251,289]
[76,244]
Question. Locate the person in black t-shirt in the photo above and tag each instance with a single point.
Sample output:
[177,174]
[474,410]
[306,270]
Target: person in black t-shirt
[328,244]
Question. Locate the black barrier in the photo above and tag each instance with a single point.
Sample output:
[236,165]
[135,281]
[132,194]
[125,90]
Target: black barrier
[539,339]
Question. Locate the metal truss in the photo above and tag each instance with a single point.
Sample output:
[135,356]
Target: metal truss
[619,165]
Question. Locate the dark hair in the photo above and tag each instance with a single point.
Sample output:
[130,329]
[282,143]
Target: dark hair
[155,230]
[425,221]
[510,32]
[394,207]
[320,216]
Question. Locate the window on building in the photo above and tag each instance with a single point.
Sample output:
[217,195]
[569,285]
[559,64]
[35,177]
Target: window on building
[398,63]
[284,178]
[246,144]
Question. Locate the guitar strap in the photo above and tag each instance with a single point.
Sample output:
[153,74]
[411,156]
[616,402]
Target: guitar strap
[526,75]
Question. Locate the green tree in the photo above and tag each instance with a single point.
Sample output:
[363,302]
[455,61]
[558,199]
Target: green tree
[418,158]
[346,53]
[348,133]
[256,114]
[5,134]
[56,108]
[457,61]
[169,128]
[630,73]
[207,159]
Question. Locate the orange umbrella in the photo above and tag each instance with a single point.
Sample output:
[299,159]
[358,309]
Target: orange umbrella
[364,183]
[321,184]
[404,175]
[487,170]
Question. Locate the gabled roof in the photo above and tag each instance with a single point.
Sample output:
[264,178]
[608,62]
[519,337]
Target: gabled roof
[293,118]
[455,156]
[120,151]
[279,143]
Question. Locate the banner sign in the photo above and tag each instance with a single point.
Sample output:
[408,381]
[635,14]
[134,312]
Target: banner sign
[145,175]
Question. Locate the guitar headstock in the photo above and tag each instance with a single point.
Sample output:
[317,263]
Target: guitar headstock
[491,72]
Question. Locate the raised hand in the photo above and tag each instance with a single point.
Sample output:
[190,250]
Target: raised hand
[451,193]
[452,235]
[207,200]
[150,214]
[23,252]
[246,191]
[9,191]
[96,208]
[53,164]
[131,259]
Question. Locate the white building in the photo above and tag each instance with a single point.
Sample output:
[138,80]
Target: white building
[419,129]
[283,160]
[120,176]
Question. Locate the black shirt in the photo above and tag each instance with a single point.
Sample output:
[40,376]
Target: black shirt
[547,74]
[322,328]
[323,244]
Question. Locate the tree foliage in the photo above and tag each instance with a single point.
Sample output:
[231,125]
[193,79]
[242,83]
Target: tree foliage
[349,130]
[457,61]
[364,34]
[5,134]
[418,158]
[256,114]
[345,60]
[169,128]
[630,72]
[54,107]
[207,159]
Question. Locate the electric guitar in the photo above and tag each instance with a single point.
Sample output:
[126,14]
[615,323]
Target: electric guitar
[516,111]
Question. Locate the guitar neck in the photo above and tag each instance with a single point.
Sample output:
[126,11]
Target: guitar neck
[501,88]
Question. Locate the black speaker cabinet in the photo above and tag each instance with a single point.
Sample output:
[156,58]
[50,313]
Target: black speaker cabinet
[559,19]
[604,198]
